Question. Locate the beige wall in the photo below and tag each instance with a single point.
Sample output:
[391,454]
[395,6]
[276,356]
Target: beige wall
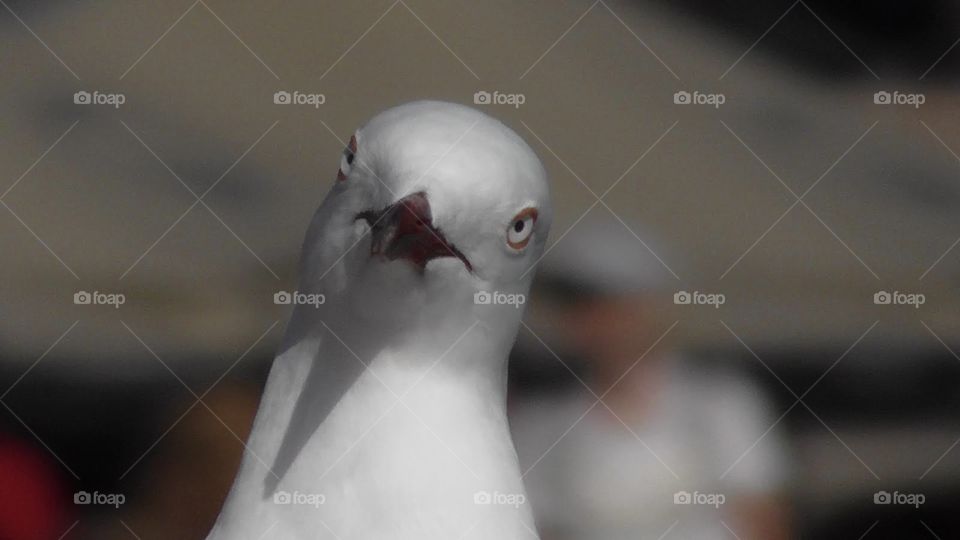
[202,95]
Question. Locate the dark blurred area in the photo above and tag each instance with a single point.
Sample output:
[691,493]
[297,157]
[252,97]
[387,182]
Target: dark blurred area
[152,400]
[896,39]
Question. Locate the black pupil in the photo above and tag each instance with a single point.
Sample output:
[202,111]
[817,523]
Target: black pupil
[349,158]
[518,225]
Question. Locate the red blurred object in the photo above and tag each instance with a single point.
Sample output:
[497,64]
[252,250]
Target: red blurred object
[33,504]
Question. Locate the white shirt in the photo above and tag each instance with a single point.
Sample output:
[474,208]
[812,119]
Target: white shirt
[602,482]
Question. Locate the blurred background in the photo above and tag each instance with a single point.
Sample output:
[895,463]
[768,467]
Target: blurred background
[745,326]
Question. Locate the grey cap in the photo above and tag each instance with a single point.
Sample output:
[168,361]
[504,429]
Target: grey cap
[604,256]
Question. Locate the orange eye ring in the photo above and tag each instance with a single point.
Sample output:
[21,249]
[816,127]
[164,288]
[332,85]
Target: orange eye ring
[520,229]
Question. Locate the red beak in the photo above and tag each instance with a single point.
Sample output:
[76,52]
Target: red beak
[404,230]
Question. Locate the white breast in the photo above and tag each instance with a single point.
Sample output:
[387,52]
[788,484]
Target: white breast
[437,463]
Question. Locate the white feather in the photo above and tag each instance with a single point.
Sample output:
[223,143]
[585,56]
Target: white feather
[384,413]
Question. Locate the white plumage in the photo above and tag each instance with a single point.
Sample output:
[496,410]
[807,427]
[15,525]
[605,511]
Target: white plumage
[384,413]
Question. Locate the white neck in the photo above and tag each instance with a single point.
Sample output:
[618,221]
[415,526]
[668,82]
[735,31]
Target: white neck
[397,443]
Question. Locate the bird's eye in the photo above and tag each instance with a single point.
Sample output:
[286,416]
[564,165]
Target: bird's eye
[521,228]
[347,159]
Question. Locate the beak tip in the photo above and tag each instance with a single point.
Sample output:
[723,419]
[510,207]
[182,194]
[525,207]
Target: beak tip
[404,230]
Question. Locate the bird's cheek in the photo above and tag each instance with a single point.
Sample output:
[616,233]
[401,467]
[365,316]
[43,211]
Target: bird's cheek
[484,275]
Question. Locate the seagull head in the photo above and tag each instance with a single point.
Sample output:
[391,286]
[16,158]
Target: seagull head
[433,198]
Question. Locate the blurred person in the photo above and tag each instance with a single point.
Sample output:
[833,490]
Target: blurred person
[674,450]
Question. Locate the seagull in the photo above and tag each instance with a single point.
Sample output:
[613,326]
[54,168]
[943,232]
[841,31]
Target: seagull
[384,414]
